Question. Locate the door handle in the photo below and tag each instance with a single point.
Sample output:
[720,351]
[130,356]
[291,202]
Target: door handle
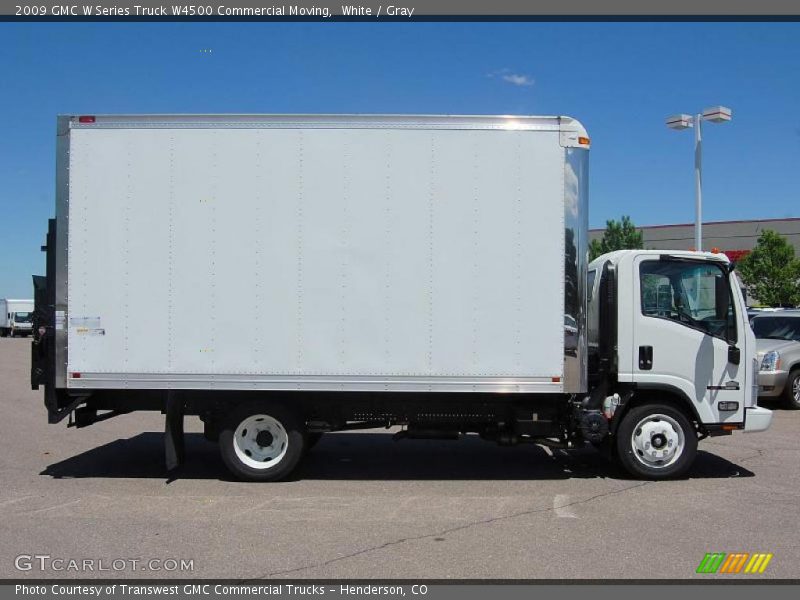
[645,358]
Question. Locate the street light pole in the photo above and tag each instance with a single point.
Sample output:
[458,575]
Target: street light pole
[715,114]
[698,182]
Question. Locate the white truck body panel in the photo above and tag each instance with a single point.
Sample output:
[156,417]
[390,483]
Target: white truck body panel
[400,253]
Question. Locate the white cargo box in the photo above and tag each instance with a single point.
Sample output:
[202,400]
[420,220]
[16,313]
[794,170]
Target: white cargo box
[323,253]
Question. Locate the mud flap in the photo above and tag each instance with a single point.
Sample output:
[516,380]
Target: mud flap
[41,339]
[174,447]
[43,346]
[43,334]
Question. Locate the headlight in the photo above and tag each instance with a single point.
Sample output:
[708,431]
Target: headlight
[771,361]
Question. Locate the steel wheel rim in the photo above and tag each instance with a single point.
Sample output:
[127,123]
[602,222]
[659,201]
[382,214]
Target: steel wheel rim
[658,441]
[260,441]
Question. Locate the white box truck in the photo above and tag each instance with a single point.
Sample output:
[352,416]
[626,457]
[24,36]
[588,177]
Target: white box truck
[311,274]
[15,317]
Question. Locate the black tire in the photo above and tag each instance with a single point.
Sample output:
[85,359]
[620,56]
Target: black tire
[791,393]
[233,453]
[636,462]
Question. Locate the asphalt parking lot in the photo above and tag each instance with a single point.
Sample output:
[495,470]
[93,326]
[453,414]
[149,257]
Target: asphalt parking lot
[364,506]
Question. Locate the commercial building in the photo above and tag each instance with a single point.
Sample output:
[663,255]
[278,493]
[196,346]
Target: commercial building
[734,238]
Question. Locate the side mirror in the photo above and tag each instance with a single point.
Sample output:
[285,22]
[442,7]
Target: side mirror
[734,355]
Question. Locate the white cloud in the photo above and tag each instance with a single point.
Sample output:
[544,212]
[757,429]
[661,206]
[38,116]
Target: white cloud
[518,79]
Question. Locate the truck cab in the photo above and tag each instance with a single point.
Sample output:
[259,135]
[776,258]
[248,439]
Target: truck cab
[671,329]
[21,323]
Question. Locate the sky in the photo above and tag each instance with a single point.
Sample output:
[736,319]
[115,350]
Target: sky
[621,80]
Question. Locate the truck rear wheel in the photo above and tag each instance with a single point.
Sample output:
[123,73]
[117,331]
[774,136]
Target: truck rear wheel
[656,441]
[262,441]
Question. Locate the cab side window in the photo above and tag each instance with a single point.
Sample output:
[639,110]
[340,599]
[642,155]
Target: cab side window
[693,294]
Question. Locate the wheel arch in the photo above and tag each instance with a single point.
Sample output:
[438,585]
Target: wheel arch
[664,394]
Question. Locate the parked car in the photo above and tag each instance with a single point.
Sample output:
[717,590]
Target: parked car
[778,344]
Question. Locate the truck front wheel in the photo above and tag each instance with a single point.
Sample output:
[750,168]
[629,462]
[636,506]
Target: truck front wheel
[656,441]
[261,441]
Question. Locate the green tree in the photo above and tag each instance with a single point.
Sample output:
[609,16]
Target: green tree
[619,235]
[771,272]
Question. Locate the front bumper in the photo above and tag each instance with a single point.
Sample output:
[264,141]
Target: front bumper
[757,419]
[771,383]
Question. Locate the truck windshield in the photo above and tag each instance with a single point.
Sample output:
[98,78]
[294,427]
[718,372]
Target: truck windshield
[777,328]
[692,293]
[22,317]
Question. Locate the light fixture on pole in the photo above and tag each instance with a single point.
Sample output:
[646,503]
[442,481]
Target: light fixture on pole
[714,114]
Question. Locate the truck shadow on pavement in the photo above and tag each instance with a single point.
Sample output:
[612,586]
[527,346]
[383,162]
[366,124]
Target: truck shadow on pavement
[370,456]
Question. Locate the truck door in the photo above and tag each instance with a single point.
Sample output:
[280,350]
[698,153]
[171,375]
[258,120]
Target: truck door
[687,335]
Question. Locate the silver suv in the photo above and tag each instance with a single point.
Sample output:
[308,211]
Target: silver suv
[778,343]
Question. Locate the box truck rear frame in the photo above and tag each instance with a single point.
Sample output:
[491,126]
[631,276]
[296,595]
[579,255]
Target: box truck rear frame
[265,422]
